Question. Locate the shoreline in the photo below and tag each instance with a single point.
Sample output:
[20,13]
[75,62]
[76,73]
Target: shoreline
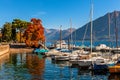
[21,50]
[4,49]
[20,47]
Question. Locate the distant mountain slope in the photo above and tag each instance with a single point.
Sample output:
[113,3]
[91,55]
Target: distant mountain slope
[100,28]
[54,34]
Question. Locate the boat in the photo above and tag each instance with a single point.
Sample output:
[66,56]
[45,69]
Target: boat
[61,44]
[85,61]
[85,64]
[100,64]
[60,58]
[40,51]
[82,60]
[115,68]
[111,63]
[63,56]
[102,48]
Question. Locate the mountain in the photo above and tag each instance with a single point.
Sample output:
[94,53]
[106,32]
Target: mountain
[54,34]
[100,28]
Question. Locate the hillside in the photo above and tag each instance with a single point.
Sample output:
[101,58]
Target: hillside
[100,28]
[54,34]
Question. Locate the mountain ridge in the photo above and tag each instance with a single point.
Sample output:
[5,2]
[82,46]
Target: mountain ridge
[100,28]
[54,34]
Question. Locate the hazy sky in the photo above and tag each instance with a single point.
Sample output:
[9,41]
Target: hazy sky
[54,13]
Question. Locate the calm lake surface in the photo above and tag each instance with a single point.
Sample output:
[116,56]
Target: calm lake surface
[28,66]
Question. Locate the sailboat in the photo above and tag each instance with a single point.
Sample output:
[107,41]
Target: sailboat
[62,50]
[111,62]
[98,63]
[85,61]
[79,58]
[116,67]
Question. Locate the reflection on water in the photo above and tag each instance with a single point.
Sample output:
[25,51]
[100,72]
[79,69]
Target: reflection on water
[30,67]
[61,63]
[21,67]
[114,77]
[35,66]
[3,59]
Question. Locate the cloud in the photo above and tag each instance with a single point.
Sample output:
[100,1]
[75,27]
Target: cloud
[41,13]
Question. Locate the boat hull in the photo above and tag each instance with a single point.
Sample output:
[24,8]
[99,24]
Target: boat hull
[100,67]
[114,69]
[60,58]
[85,64]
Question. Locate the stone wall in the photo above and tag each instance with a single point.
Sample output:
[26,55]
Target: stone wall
[4,49]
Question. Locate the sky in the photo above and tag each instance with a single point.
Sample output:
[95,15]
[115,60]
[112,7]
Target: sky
[55,13]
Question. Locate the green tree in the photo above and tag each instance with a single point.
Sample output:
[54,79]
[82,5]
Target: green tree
[7,31]
[18,25]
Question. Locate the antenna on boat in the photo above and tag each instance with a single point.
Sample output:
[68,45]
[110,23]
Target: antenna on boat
[91,24]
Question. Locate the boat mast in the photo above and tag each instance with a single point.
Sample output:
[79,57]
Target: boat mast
[91,24]
[109,26]
[116,29]
[60,37]
[71,33]
[109,30]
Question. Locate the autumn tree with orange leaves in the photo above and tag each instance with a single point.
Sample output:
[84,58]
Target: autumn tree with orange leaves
[34,34]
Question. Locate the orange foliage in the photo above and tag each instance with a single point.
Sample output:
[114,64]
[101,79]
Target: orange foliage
[35,65]
[34,33]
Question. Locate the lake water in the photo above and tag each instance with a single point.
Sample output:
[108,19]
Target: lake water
[87,43]
[31,67]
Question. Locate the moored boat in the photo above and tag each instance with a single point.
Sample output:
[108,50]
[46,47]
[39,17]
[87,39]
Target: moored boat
[60,58]
[40,51]
[115,68]
[100,64]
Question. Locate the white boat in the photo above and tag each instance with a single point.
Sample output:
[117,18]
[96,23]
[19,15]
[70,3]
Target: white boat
[62,57]
[111,63]
[61,45]
[85,63]
[74,57]
[102,47]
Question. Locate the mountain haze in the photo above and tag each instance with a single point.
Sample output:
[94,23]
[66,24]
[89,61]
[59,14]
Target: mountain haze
[54,34]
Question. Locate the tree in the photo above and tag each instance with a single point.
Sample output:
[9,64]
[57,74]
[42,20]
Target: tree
[18,25]
[7,31]
[34,33]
